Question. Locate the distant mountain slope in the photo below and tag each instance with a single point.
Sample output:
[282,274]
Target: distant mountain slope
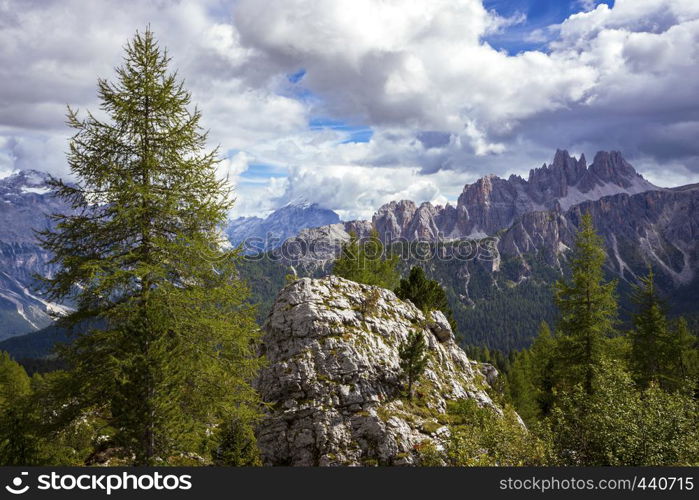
[259,234]
[25,203]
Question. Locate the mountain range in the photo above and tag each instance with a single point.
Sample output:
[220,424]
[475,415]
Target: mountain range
[25,203]
[525,229]
[526,225]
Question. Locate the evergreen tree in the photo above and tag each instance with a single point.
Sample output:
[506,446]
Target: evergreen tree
[587,307]
[650,336]
[238,446]
[366,262]
[413,359]
[18,446]
[426,294]
[170,351]
[683,358]
[661,352]
[531,379]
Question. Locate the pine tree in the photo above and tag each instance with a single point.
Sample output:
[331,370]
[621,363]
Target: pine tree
[170,347]
[413,359]
[367,262]
[650,335]
[531,379]
[426,294]
[661,352]
[587,307]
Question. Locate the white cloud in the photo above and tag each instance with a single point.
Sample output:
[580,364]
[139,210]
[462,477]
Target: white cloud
[417,64]
[52,52]
[444,105]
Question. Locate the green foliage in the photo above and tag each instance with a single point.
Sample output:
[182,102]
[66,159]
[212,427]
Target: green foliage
[684,358]
[482,437]
[650,336]
[620,424]
[413,359]
[588,309]
[660,352]
[14,381]
[27,407]
[531,380]
[483,354]
[238,446]
[367,262]
[427,295]
[17,444]
[172,352]
[265,276]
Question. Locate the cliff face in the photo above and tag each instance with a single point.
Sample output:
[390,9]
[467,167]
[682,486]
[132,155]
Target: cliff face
[334,383]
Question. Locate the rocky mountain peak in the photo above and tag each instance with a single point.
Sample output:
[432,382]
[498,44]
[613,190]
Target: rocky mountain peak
[334,385]
[611,167]
[24,182]
[491,203]
[258,234]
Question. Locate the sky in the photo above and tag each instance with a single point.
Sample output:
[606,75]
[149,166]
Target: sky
[354,103]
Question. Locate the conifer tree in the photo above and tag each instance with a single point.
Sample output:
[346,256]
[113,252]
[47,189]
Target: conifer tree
[683,359]
[426,294]
[531,378]
[413,359]
[661,352]
[587,307]
[366,262]
[650,335]
[170,348]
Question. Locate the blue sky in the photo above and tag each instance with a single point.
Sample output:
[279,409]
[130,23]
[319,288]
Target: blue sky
[540,14]
[354,103]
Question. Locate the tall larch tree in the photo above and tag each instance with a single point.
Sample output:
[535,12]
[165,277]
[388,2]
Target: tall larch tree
[588,309]
[169,348]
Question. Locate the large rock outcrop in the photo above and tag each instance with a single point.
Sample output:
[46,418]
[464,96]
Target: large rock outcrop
[333,383]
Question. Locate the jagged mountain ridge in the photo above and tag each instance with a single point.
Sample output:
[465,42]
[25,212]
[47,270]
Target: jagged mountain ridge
[484,208]
[499,301]
[656,226]
[491,203]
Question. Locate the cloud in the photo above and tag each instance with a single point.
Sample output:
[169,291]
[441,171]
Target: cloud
[421,65]
[442,105]
[52,53]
